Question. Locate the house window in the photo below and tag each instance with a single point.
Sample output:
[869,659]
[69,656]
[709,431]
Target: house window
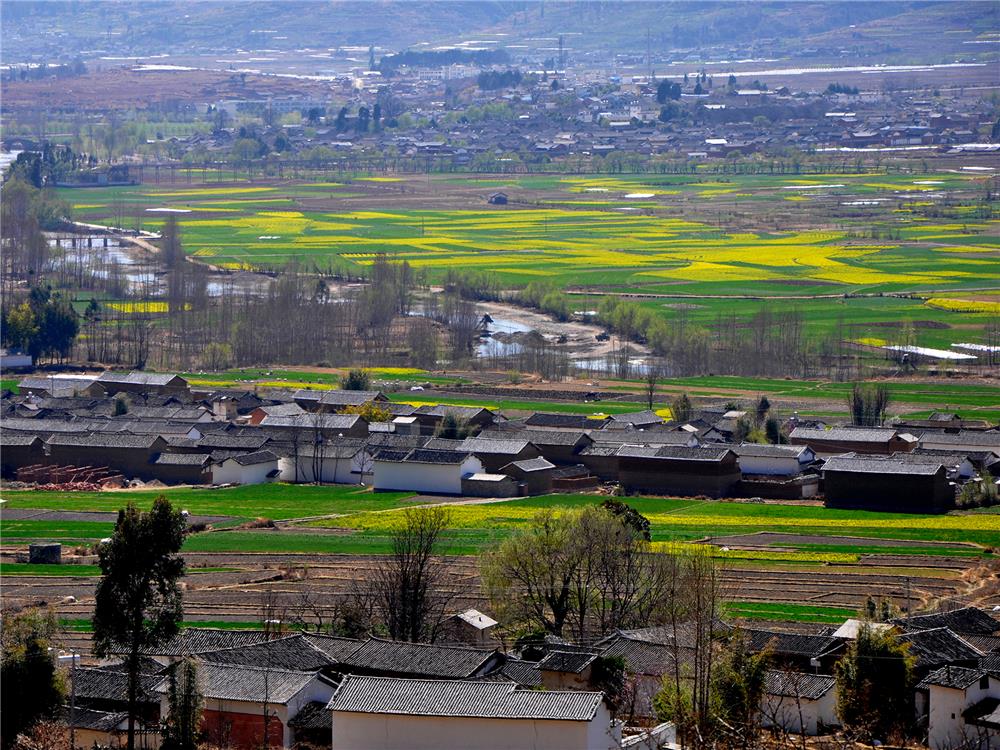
[984,682]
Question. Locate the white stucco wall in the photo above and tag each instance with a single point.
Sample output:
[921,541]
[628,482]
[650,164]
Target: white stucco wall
[332,470]
[785,466]
[945,727]
[356,731]
[427,478]
[230,472]
[802,715]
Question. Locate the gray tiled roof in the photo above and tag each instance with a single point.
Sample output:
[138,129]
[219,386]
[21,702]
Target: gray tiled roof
[336,648]
[12,440]
[107,440]
[252,459]
[964,621]
[578,421]
[282,410]
[233,442]
[544,437]
[200,640]
[524,673]
[182,459]
[643,657]
[845,434]
[295,652]
[89,718]
[340,448]
[871,465]
[952,677]
[422,456]
[638,417]
[251,684]
[934,648]
[791,644]
[41,383]
[444,410]
[338,397]
[966,438]
[529,465]
[137,378]
[389,440]
[422,659]
[674,452]
[487,445]
[768,451]
[566,661]
[313,421]
[798,684]
[107,685]
[491,700]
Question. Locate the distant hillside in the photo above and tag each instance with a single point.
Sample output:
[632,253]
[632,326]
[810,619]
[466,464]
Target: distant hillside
[177,27]
[171,26]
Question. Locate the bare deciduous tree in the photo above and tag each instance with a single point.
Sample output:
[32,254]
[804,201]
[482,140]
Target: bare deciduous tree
[407,588]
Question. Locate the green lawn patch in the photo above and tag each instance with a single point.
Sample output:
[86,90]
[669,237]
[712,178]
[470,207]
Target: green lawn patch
[275,501]
[788,612]
[86,626]
[60,571]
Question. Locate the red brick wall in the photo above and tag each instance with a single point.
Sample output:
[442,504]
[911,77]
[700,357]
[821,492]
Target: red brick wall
[242,731]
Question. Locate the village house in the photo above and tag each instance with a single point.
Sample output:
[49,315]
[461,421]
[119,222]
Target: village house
[275,410]
[333,462]
[962,707]
[960,442]
[799,702]
[59,385]
[774,460]
[434,472]
[857,439]
[470,627]
[17,451]
[776,471]
[876,483]
[308,425]
[380,713]
[430,417]
[143,382]
[336,400]
[384,658]
[496,452]
[183,468]
[246,468]
[94,728]
[484,484]
[678,470]
[547,421]
[567,670]
[236,697]
[130,455]
[534,475]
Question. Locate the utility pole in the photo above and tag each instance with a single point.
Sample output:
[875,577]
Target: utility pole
[73,657]
[649,56]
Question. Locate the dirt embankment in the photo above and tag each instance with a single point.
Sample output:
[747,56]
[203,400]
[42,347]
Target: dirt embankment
[580,338]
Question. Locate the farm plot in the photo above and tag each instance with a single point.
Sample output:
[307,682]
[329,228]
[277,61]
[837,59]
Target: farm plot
[780,562]
[845,234]
[273,501]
